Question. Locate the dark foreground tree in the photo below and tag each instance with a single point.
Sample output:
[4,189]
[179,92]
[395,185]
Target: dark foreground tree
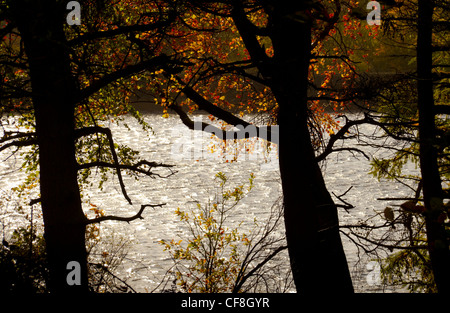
[312,226]
[412,111]
[277,41]
[51,77]
[435,214]
[54,95]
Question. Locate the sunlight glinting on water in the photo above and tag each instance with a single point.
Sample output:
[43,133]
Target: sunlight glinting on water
[197,158]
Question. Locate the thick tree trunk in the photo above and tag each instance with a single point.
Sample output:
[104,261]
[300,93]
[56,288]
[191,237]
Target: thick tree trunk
[315,248]
[438,244]
[40,23]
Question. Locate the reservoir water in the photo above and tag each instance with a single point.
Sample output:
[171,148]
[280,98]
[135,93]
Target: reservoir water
[197,158]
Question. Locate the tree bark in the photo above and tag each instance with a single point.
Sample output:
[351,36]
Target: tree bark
[316,252]
[54,92]
[438,245]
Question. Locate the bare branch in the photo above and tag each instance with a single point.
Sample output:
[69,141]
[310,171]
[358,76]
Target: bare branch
[123,219]
[106,131]
[238,286]
[209,107]
[366,120]
[18,143]
[106,269]
[378,243]
[399,199]
[246,131]
[442,109]
[134,167]
[340,135]
[15,135]
[346,205]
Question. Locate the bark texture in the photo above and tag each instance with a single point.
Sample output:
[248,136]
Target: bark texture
[54,92]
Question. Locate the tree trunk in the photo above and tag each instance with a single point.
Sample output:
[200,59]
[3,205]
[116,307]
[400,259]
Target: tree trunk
[54,90]
[316,252]
[438,245]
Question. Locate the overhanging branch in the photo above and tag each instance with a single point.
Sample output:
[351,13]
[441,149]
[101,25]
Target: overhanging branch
[346,206]
[18,143]
[249,131]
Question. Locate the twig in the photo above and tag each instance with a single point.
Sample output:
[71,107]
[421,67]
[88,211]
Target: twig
[101,266]
[346,205]
[247,130]
[257,267]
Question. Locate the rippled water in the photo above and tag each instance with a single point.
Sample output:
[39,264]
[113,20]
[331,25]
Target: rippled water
[195,166]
